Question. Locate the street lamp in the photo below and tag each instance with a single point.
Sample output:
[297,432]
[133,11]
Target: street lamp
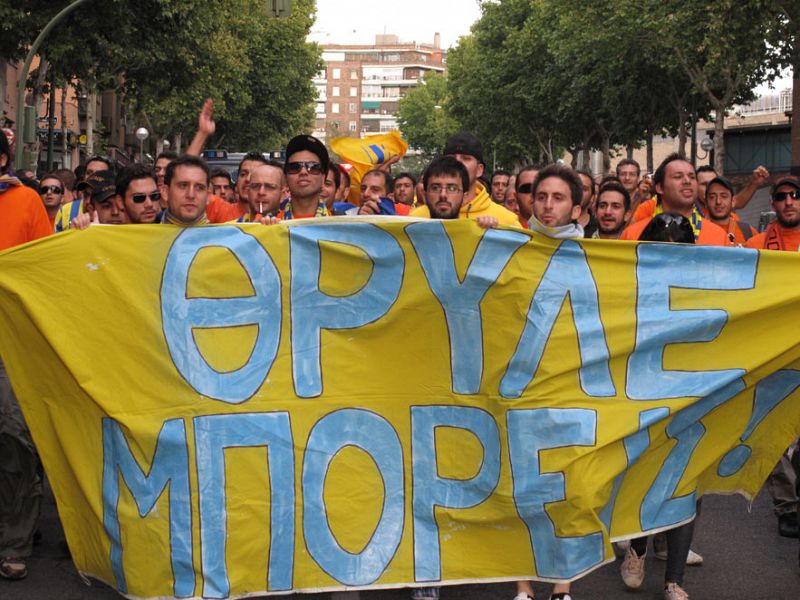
[141,134]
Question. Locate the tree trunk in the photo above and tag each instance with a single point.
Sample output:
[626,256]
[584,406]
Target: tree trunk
[606,147]
[794,169]
[682,132]
[650,166]
[573,152]
[586,153]
[178,142]
[38,86]
[629,151]
[91,101]
[64,128]
[719,140]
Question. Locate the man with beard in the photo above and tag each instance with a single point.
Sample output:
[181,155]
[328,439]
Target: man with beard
[613,211]
[719,209]
[784,233]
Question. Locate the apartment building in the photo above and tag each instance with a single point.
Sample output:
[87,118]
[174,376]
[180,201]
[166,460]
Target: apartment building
[360,89]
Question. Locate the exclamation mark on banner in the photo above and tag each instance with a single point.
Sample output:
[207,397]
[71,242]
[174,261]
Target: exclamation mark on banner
[770,392]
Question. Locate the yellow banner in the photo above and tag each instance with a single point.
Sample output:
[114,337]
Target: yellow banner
[240,409]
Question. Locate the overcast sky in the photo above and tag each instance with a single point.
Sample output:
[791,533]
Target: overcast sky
[357,21]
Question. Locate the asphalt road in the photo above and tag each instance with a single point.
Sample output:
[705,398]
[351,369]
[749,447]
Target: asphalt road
[745,559]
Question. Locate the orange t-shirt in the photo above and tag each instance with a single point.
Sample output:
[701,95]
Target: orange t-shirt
[22,217]
[402,209]
[710,233]
[791,240]
[220,211]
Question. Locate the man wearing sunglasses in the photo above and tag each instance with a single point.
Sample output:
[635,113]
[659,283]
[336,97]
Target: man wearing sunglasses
[138,194]
[306,165]
[524,190]
[51,191]
[101,206]
[676,187]
[784,232]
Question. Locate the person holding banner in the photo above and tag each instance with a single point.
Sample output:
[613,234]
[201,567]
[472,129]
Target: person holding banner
[306,164]
[22,219]
[187,181]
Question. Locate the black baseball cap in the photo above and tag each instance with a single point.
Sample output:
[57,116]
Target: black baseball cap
[103,185]
[786,181]
[723,182]
[464,143]
[311,144]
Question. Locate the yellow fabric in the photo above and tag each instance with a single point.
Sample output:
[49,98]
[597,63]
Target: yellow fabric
[366,154]
[481,205]
[153,383]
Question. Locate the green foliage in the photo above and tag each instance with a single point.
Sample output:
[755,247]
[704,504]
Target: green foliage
[166,56]
[423,116]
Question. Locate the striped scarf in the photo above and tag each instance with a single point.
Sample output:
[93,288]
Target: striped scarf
[286,213]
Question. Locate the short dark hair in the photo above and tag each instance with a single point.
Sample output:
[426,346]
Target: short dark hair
[525,169]
[629,161]
[53,175]
[405,175]
[253,156]
[186,161]
[221,173]
[103,159]
[615,186]
[499,172]
[346,176]
[131,173]
[565,174]
[661,171]
[705,169]
[67,177]
[609,179]
[387,178]
[586,173]
[168,154]
[446,165]
[337,174]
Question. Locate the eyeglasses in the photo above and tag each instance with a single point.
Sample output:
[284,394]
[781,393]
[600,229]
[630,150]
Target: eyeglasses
[256,187]
[313,168]
[51,188]
[525,188]
[779,196]
[139,198]
[436,188]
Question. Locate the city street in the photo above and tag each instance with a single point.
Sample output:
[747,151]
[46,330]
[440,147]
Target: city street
[744,559]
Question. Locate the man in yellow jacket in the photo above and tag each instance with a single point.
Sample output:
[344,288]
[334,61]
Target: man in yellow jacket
[466,148]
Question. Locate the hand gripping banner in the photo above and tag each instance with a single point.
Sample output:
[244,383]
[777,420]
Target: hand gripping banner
[233,410]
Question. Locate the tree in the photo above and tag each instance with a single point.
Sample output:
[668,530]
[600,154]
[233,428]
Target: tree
[423,114]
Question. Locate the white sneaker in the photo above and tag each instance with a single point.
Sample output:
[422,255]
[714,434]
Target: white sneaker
[660,551]
[675,592]
[523,596]
[632,569]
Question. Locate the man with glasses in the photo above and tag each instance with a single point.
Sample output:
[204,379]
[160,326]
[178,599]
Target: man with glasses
[138,194]
[264,193]
[524,190]
[51,191]
[676,186]
[70,211]
[306,164]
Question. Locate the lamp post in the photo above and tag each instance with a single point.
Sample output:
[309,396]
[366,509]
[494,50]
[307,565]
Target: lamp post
[141,135]
[23,76]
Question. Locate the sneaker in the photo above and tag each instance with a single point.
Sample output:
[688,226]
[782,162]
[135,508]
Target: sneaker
[675,592]
[632,569]
[560,596]
[13,568]
[523,596]
[425,593]
[660,551]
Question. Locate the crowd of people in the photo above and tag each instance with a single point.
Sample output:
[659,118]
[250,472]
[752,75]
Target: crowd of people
[678,203]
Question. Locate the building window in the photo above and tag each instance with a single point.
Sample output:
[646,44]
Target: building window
[353,92]
[353,126]
[335,108]
[337,74]
[335,91]
[352,108]
[353,73]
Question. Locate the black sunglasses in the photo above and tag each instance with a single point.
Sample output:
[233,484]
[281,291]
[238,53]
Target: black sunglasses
[139,198]
[525,188]
[779,196]
[314,168]
[51,188]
